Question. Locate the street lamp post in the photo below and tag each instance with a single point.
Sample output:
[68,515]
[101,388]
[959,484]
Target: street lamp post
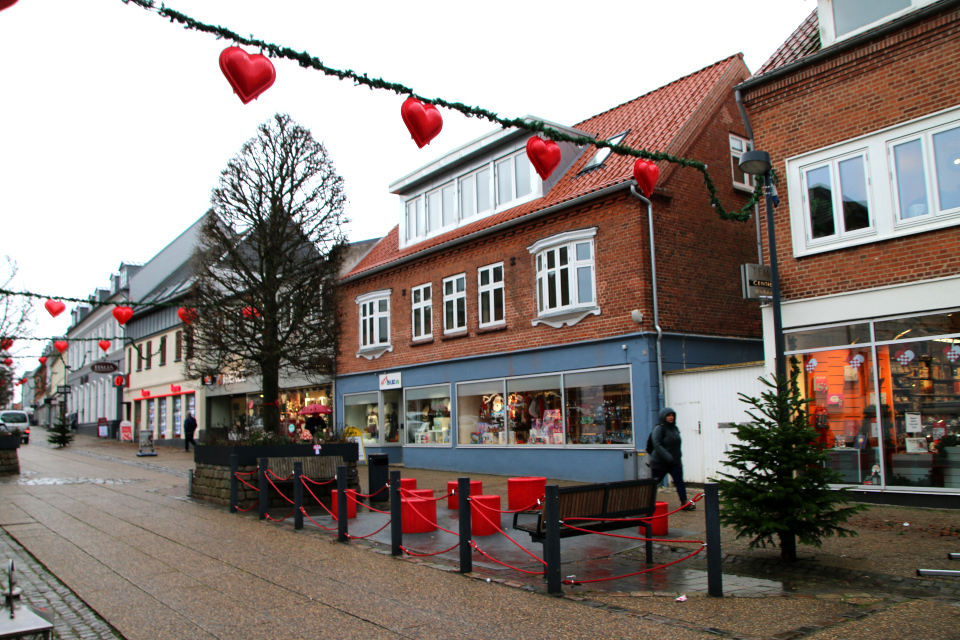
[757,163]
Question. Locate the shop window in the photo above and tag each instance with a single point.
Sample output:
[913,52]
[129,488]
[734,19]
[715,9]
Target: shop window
[162,422]
[427,415]
[374,324]
[599,408]
[455,304]
[422,303]
[566,279]
[177,421]
[481,413]
[152,415]
[490,290]
[534,410]
[362,411]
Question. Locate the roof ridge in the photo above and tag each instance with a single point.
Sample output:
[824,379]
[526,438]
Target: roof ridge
[660,88]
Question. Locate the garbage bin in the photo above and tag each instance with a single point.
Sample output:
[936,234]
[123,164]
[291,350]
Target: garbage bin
[378,466]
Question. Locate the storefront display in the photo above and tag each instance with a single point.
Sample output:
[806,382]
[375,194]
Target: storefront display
[375,414]
[177,421]
[428,415]
[162,403]
[884,406]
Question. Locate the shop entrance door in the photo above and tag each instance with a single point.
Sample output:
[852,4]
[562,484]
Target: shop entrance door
[689,421]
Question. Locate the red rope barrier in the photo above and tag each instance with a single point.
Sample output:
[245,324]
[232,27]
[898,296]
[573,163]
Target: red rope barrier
[424,555]
[306,479]
[278,490]
[318,501]
[535,506]
[248,484]
[270,472]
[370,495]
[424,518]
[267,516]
[248,508]
[315,522]
[370,534]
[497,527]
[630,575]
[405,493]
[245,473]
[492,559]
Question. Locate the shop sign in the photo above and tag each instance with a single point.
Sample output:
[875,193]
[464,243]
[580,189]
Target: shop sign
[64,389]
[232,378]
[390,381]
[103,427]
[756,281]
[126,431]
[103,367]
[146,443]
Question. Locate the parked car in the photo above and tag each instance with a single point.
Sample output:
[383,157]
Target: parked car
[14,419]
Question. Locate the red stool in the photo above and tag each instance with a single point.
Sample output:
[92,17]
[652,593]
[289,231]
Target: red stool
[418,515]
[523,493]
[483,520]
[408,483]
[453,502]
[658,526]
[351,504]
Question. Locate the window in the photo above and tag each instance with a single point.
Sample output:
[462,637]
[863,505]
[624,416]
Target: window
[129,360]
[427,414]
[475,194]
[149,353]
[414,220]
[420,298]
[836,200]
[738,146]
[601,155]
[840,19]
[178,346]
[565,277]
[490,288]
[514,178]
[163,350]
[374,323]
[455,303]
[898,181]
[441,208]
[139,357]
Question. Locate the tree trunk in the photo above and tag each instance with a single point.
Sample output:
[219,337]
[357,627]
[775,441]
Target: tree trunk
[788,546]
[270,385]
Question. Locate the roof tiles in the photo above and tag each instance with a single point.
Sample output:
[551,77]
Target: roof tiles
[801,43]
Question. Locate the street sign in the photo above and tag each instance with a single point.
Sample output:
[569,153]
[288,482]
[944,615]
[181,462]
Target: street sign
[103,367]
[63,389]
[756,281]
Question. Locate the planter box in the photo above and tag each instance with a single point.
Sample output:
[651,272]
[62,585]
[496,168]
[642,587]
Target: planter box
[9,442]
[250,455]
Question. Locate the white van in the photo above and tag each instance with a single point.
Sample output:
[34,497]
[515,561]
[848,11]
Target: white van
[15,419]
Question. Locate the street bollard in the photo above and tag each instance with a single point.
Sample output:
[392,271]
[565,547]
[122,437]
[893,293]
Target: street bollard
[342,504]
[297,495]
[190,483]
[234,468]
[264,490]
[396,524]
[551,546]
[466,534]
[711,491]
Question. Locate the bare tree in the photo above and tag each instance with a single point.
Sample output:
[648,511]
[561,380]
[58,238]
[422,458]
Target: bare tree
[266,264]
[16,320]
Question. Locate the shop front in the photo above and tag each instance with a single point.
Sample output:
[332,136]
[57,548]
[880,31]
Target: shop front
[884,398]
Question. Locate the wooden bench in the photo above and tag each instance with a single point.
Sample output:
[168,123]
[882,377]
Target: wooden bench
[598,503]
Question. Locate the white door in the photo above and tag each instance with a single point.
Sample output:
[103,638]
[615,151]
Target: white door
[689,421]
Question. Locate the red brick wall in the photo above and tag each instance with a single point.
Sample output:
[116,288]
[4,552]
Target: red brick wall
[698,258]
[909,73]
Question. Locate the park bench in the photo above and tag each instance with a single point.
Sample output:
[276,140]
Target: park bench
[598,503]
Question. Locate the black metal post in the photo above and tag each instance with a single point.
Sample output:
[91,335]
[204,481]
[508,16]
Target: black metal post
[779,347]
[466,530]
[297,495]
[264,492]
[711,497]
[234,468]
[396,524]
[342,504]
[551,546]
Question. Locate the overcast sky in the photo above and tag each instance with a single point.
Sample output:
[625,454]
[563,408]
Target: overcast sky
[115,123]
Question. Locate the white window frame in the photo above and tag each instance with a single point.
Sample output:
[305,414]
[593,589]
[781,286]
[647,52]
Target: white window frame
[828,34]
[576,310]
[604,152]
[440,226]
[833,165]
[491,198]
[735,162]
[489,291]
[514,199]
[452,299]
[882,196]
[369,311]
[931,179]
[422,308]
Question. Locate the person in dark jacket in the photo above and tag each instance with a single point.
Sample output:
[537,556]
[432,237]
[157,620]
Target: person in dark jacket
[667,456]
[189,428]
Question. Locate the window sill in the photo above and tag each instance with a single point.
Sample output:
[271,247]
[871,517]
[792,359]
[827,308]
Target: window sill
[493,329]
[455,336]
[421,342]
[568,318]
[742,187]
[372,353]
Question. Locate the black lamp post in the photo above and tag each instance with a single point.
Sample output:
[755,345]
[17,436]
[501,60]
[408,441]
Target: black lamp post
[757,163]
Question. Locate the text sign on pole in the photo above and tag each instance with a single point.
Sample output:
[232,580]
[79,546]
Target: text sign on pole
[756,281]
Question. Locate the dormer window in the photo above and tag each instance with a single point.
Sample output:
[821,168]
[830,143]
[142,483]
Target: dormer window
[840,19]
[601,155]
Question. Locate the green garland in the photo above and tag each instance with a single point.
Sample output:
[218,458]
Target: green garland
[95,303]
[305,60]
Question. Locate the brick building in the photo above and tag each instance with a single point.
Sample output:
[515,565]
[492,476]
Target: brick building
[860,112]
[510,325]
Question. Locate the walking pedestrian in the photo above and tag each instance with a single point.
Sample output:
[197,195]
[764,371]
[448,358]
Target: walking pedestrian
[189,428]
[667,455]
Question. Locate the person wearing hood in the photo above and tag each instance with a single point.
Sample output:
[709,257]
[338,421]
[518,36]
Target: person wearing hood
[667,456]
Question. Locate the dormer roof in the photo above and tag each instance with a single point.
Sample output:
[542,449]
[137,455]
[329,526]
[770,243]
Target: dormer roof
[667,119]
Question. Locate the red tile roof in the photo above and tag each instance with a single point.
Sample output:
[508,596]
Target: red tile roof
[657,120]
[801,43]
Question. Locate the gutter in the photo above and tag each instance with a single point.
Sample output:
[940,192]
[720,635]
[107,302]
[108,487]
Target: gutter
[836,49]
[656,306]
[482,233]
[756,206]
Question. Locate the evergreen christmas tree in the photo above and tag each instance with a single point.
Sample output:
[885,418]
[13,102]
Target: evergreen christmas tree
[60,434]
[781,485]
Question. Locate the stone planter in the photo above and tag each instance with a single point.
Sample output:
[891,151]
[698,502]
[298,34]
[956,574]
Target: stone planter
[9,460]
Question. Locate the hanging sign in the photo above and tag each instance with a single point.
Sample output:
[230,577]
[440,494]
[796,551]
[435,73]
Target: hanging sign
[103,367]
[756,281]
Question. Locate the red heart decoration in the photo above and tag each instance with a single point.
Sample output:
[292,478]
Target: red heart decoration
[187,316]
[250,312]
[122,314]
[174,388]
[54,307]
[646,174]
[5,344]
[42,359]
[8,361]
[423,121]
[544,155]
[249,75]
[6,4]
[61,345]
[23,381]
[105,345]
